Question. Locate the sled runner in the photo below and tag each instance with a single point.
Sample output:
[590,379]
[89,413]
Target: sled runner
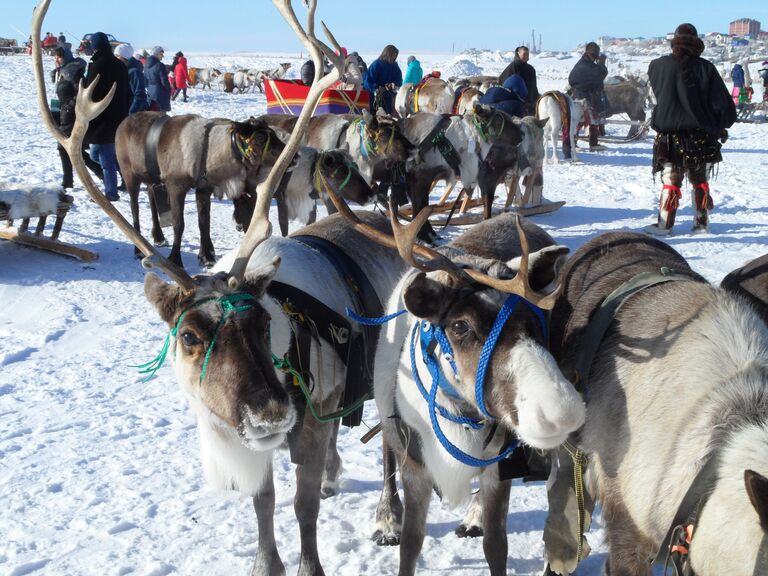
[288,96]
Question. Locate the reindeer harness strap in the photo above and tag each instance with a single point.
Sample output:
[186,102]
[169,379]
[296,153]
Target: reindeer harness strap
[151,144]
[202,178]
[437,139]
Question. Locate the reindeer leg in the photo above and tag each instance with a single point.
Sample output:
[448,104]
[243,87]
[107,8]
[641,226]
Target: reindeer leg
[495,498]
[472,524]
[133,184]
[389,512]
[176,197]
[282,216]
[417,486]
[268,561]
[333,467]
[316,437]
[419,200]
[158,238]
[207,255]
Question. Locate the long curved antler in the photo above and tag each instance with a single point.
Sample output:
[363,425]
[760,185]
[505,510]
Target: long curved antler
[260,227]
[403,239]
[85,111]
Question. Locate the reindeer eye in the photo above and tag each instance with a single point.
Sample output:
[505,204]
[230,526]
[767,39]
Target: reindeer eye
[460,328]
[190,339]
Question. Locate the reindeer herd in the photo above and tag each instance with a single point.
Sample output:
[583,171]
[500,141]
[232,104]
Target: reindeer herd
[638,384]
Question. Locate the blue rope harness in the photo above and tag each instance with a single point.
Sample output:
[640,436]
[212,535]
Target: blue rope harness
[430,336]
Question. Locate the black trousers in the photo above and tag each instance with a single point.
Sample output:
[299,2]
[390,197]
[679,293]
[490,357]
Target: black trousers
[66,166]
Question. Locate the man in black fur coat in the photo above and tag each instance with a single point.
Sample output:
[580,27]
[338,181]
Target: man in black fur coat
[527,72]
[691,116]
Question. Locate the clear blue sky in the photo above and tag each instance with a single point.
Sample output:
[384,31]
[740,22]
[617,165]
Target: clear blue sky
[367,25]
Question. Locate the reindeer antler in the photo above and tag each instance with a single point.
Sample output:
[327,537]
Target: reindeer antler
[404,241]
[260,227]
[85,111]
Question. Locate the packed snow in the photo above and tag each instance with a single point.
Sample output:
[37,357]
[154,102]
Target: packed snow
[99,472]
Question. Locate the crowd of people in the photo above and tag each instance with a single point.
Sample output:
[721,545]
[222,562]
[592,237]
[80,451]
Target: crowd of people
[691,117]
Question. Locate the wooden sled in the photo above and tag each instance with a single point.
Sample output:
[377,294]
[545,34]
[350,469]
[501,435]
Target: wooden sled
[638,130]
[36,239]
[752,112]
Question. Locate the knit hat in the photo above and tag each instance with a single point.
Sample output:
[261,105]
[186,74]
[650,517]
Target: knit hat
[99,41]
[124,51]
[686,41]
[156,51]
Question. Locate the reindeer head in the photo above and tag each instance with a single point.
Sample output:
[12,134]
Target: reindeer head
[220,332]
[489,318]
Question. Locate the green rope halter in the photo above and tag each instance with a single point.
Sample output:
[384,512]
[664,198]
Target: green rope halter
[228,305]
[485,128]
[318,168]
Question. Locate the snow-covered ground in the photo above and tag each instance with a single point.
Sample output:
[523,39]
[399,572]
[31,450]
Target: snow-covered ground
[99,471]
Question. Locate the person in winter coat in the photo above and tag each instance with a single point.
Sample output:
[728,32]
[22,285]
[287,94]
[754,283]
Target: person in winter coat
[67,76]
[101,131]
[764,75]
[382,80]
[510,97]
[739,92]
[180,75]
[307,72]
[527,72]
[586,80]
[158,87]
[414,73]
[691,117]
[139,102]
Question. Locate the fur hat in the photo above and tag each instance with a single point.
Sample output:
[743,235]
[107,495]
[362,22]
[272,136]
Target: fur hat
[156,51]
[99,41]
[686,41]
[124,51]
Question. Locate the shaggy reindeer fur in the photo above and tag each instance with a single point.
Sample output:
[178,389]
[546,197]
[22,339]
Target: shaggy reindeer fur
[530,163]
[627,97]
[244,407]
[680,376]
[524,389]
[29,201]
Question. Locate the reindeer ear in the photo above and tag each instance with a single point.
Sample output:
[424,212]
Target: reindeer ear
[542,123]
[757,490]
[259,279]
[163,296]
[424,297]
[543,266]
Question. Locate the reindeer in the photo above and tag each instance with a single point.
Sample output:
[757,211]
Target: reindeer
[564,114]
[376,144]
[530,164]
[627,97]
[273,74]
[203,76]
[477,148]
[676,435]
[219,157]
[445,427]
[465,99]
[481,83]
[227,336]
[430,95]
[244,80]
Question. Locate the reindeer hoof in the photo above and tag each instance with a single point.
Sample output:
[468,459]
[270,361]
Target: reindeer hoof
[464,531]
[206,261]
[382,539]
[161,243]
[327,492]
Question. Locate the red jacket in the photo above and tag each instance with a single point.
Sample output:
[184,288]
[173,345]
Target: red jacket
[181,76]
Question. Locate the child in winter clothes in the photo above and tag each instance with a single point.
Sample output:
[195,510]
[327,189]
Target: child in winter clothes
[413,73]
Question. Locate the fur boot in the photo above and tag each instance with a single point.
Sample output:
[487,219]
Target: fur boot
[668,204]
[702,204]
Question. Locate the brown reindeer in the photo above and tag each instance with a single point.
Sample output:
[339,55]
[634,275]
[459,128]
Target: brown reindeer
[677,388]
[228,337]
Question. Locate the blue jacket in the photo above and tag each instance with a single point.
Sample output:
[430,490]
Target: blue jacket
[380,73]
[737,75]
[414,73]
[138,87]
[158,86]
[509,98]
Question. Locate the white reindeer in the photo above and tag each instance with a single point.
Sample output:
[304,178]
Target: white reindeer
[551,106]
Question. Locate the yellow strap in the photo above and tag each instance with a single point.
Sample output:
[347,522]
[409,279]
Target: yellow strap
[579,460]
